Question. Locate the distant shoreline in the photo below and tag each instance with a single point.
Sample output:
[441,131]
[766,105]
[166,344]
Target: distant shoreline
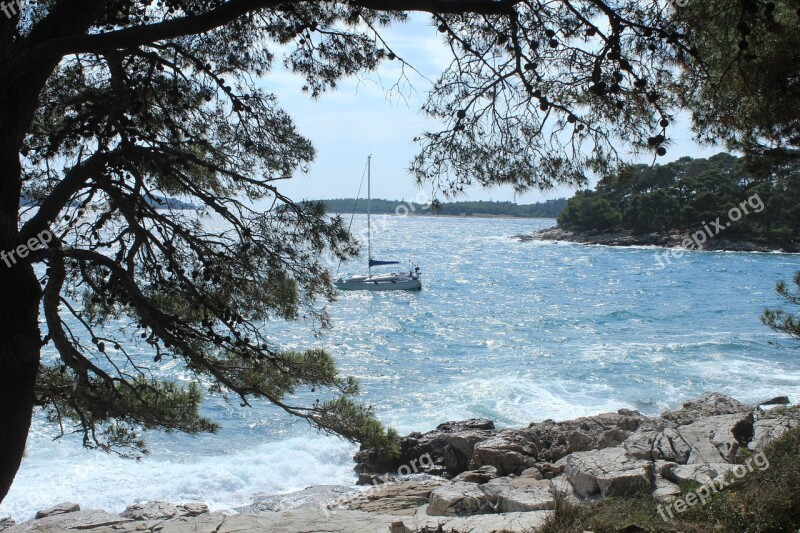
[628,238]
[434,215]
[422,204]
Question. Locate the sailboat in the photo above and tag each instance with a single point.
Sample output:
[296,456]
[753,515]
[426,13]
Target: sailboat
[394,281]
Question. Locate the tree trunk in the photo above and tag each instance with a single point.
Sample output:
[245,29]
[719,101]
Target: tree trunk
[19,364]
[20,294]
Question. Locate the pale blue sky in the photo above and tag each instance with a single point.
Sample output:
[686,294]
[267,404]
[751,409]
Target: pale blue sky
[364,116]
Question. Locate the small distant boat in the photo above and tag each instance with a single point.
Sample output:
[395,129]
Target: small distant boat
[395,281]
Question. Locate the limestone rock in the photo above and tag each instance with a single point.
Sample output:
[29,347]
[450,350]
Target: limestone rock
[778,400]
[608,472]
[61,508]
[449,448]
[80,520]
[665,489]
[162,510]
[639,444]
[669,445]
[520,494]
[458,499]
[510,452]
[717,439]
[487,523]
[399,527]
[563,491]
[399,498]
[705,474]
[705,405]
[554,440]
[770,425]
[532,472]
[209,522]
[480,476]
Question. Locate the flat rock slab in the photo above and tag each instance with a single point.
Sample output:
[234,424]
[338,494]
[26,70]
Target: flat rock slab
[519,494]
[716,439]
[482,475]
[162,511]
[61,508]
[510,452]
[310,521]
[666,489]
[608,472]
[771,425]
[394,498]
[89,520]
[705,474]
[308,498]
[460,498]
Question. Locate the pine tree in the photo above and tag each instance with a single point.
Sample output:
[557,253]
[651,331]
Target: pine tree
[109,106]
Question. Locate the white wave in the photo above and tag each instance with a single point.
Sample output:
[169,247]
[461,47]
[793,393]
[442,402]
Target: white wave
[56,472]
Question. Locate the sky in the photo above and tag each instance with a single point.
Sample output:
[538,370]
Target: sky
[368,115]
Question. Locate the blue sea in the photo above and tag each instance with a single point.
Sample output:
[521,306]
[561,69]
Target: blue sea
[508,330]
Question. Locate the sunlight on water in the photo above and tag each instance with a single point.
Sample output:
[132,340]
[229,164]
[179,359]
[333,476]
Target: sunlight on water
[512,331]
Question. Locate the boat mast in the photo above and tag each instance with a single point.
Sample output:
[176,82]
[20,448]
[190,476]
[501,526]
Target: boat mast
[369,214]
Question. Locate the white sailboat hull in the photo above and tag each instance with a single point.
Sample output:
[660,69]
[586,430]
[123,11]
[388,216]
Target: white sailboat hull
[388,282]
[396,281]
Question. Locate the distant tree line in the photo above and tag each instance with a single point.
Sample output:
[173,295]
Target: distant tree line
[688,194]
[547,209]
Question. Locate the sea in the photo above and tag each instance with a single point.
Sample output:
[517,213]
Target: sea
[512,331]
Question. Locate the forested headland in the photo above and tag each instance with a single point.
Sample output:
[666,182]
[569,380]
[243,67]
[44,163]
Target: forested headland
[689,194]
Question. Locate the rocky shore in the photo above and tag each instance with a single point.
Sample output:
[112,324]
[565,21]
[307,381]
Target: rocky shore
[628,238]
[471,476]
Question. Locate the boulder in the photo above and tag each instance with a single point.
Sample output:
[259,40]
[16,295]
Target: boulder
[448,448]
[669,445]
[399,527]
[458,499]
[711,439]
[665,489]
[704,474]
[563,491]
[608,472]
[510,452]
[705,405]
[6,522]
[770,425]
[522,494]
[399,498]
[480,476]
[778,400]
[532,473]
[162,510]
[554,440]
[716,439]
[639,444]
[61,508]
